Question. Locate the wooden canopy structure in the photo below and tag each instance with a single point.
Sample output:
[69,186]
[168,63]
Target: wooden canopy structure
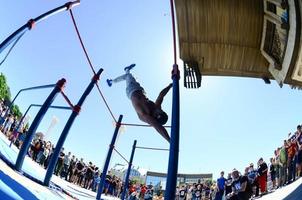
[226,38]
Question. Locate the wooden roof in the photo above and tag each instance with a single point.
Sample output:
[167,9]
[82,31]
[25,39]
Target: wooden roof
[223,36]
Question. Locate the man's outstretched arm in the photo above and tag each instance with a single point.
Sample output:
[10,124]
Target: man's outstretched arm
[162,94]
[159,128]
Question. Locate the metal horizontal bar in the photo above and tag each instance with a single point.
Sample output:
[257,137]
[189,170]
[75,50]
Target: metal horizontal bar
[150,148]
[141,125]
[38,87]
[57,107]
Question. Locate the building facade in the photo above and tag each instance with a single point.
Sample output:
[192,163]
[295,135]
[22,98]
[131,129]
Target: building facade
[158,180]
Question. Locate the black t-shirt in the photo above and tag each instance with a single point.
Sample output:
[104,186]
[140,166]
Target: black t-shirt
[237,184]
[228,186]
[80,166]
[114,184]
[182,193]
[108,179]
[194,190]
[262,169]
[72,164]
[207,191]
[89,171]
[198,193]
[272,169]
[12,127]
[61,157]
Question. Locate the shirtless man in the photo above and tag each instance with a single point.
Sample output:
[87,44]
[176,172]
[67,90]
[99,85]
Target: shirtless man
[147,110]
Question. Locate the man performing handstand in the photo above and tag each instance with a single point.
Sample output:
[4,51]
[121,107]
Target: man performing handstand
[147,110]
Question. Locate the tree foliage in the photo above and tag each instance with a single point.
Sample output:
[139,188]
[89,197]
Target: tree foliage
[4,89]
[16,111]
[6,95]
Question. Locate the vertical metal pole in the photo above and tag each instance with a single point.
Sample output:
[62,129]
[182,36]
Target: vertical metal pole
[128,171]
[174,142]
[63,136]
[32,129]
[106,165]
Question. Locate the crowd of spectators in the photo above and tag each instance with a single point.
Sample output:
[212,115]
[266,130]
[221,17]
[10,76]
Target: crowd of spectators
[68,166]
[9,124]
[284,168]
[196,191]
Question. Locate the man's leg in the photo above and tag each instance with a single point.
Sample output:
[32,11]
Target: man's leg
[128,77]
[295,167]
[122,77]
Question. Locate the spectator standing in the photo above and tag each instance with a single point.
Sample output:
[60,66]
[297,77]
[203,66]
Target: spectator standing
[8,123]
[45,153]
[252,177]
[262,171]
[143,191]
[66,161]
[241,188]
[149,193]
[36,148]
[283,164]
[220,186]
[60,163]
[108,183]
[272,171]
[189,192]
[71,169]
[88,175]
[299,156]
[291,151]
[96,180]
[198,192]
[52,148]
[182,193]
[277,166]
[228,184]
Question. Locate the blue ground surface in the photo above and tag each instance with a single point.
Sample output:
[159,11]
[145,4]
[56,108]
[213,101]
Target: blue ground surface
[12,189]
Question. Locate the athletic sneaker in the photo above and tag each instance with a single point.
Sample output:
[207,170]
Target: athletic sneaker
[109,82]
[127,69]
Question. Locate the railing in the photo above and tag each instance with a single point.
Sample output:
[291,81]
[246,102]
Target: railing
[192,76]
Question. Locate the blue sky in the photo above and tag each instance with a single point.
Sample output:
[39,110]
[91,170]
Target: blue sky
[227,123]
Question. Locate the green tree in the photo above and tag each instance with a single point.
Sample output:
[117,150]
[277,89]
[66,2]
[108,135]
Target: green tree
[6,95]
[16,111]
[4,89]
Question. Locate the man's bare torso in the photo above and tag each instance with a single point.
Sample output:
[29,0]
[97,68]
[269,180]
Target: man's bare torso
[141,104]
